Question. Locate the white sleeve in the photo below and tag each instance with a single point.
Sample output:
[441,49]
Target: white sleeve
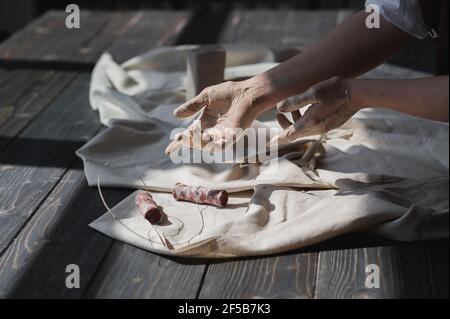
[404,14]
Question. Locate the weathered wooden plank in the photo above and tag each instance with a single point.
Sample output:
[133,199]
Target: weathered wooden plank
[58,230]
[125,33]
[25,93]
[4,76]
[34,163]
[284,27]
[97,30]
[291,276]
[32,37]
[147,30]
[403,273]
[48,38]
[130,272]
[57,235]
[438,264]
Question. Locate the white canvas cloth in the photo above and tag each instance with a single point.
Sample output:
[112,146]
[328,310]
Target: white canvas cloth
[406,15]
[384,172]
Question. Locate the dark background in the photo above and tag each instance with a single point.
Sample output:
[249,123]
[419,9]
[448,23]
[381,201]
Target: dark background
[17,13]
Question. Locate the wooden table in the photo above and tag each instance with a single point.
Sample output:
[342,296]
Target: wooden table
[46,205]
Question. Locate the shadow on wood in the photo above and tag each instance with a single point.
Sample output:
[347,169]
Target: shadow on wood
[35,152]
[57,235]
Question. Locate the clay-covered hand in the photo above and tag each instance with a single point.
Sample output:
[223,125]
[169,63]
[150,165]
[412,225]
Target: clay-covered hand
[330,107]
[227,109]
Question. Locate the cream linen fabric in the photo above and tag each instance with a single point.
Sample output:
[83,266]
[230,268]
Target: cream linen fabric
[390,170]
[278,219]
[406,15]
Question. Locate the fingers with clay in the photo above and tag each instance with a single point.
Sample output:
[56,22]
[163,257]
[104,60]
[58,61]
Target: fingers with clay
[191,107]
[217,139]
[328,108]
[301,126]
[191,137]
[225,112]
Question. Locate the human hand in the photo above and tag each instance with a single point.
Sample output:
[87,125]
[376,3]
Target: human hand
[330,107]
[227,110]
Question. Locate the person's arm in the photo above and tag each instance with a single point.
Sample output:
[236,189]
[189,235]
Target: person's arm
[335,100]
[427,98]
[349,50]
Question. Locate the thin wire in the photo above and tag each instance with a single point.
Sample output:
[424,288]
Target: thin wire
[197,197]
[200,210]
[182,223]
[120,221]
[162,236]
[176,218]
[179,228]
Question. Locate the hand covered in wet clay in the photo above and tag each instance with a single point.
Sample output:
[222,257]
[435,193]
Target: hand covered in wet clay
[330,107]
[227,109]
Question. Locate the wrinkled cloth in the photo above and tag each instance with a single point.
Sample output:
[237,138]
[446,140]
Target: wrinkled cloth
[383,172]
[405,15]
[276,219]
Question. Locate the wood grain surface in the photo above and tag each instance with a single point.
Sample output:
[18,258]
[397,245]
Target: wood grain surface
[33,163]
[287,276]
[123,33]
[129,272]
[23,95]
[280,27]
[56,236]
